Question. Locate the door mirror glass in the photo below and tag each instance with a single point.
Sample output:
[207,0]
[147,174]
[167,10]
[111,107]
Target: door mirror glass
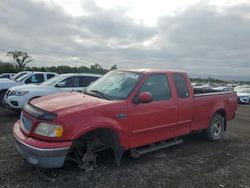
[145,97]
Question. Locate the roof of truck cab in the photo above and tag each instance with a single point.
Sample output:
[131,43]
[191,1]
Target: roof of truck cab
[152,71]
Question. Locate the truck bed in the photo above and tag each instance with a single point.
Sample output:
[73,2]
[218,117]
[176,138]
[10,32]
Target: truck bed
[205,104]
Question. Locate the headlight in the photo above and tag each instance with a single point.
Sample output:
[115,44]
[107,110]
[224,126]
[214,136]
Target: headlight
[49,130]
[244,96]
[19,93]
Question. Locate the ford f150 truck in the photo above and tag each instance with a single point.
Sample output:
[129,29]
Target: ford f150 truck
[125,110]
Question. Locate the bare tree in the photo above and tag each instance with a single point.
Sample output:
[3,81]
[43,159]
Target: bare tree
[21,58]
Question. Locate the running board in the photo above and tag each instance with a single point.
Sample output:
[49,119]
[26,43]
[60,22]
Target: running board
[153,147]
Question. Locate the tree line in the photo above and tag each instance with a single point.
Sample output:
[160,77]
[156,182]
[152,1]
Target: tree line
[22,59]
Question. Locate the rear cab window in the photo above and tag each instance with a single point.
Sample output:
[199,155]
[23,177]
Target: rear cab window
[158,86]
[181,85]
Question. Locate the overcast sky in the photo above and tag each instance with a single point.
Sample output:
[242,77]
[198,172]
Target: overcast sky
[204,38]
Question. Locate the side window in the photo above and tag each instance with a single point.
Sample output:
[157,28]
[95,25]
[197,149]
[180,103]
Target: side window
[35,79]
[70,82]
[86,80]
[158,86]
[50,76]
[181,85]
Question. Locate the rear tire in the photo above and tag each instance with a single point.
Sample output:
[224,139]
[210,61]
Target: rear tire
[216,128]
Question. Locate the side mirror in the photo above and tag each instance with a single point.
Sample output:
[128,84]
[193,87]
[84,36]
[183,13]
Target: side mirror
[145,97]
[61,84]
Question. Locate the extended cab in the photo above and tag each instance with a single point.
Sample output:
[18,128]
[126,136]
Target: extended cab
[137,111]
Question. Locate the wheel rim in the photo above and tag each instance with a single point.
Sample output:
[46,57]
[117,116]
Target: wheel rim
[217,128]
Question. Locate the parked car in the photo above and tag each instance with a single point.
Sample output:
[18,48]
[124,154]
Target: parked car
[26,78]
[223,88]
[135,111]
[241,87]
[16,76]
[201,86]
[17,96]
[243,95]
[6,75]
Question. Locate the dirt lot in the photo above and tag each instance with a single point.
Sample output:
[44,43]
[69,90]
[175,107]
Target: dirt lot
[195,163]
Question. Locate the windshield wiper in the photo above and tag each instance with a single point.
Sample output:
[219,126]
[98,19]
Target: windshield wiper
[101,94]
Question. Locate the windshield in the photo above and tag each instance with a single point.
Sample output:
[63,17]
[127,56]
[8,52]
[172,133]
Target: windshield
[53,81]
[18,75]
[3,75]
[22,77]
[115,84]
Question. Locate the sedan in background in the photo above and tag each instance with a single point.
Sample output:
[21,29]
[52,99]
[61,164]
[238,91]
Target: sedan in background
[17,96]
[244,95]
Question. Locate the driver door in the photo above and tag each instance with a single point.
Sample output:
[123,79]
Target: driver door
[153,121]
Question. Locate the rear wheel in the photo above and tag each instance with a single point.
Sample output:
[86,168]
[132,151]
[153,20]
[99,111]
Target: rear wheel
[216,128]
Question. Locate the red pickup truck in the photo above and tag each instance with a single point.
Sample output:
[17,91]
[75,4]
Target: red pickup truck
[125,110]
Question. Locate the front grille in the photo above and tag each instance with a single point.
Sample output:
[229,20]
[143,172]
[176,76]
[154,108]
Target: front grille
[26,123]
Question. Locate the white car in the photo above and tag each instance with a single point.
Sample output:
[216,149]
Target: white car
[244,95]
[16,76]
[223,88]
[6,75]
[241,87]
[25,78]
[17,96]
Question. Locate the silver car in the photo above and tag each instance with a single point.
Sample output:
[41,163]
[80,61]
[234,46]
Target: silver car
[244,95]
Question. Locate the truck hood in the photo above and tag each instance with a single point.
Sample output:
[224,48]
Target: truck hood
[62,103]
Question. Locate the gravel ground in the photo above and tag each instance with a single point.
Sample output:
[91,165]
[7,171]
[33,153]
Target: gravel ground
[195,163]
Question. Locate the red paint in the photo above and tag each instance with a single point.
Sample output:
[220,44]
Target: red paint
[144,123]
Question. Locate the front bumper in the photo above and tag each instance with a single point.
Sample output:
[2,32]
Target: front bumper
[52,157]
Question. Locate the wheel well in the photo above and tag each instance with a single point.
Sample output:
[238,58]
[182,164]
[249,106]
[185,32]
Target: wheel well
[105,137]
[224,115]
[108,136]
